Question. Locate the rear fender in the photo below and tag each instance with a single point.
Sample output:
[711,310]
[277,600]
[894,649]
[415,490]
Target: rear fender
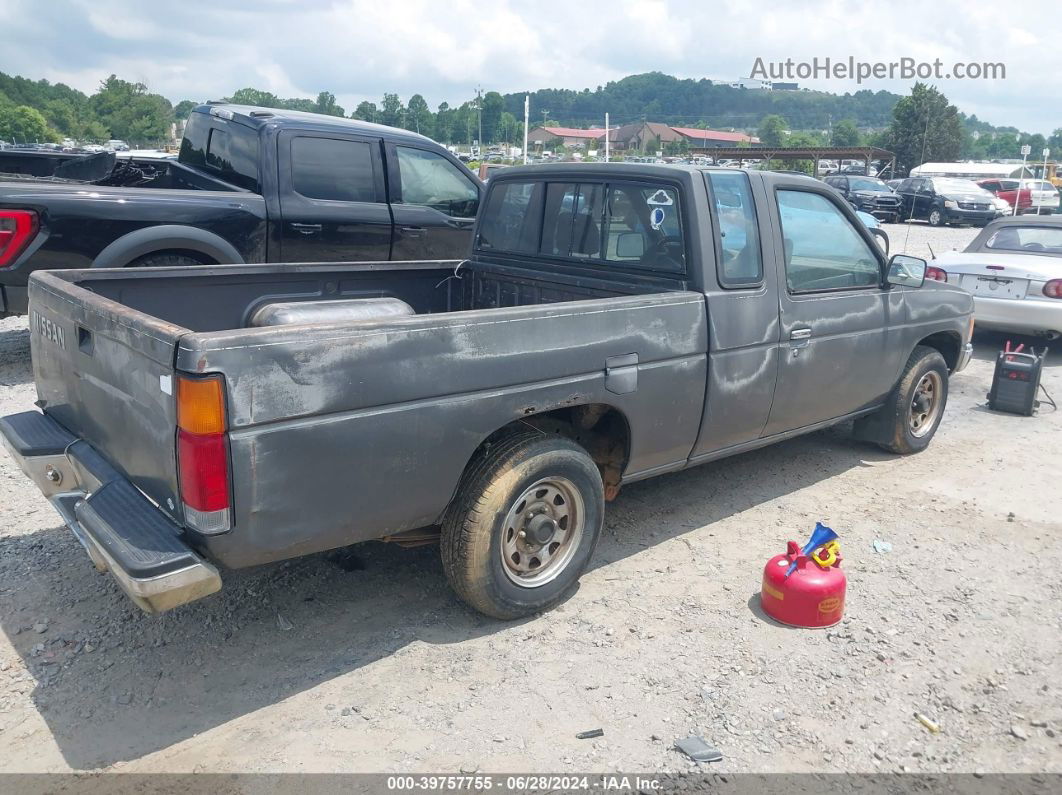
[152,239]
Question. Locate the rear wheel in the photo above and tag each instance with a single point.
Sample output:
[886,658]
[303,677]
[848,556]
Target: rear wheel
[523,526]
[164,261]
[910,417]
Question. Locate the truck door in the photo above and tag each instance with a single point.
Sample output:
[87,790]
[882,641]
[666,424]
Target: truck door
[742,294]
[433,201]
[332,200]
[839,346]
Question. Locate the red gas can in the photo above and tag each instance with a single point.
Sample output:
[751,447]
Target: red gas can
[813,596]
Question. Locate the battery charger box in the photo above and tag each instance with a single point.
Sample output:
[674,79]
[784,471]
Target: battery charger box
[1016,381]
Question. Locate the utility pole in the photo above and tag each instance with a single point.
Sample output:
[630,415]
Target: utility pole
[1043,176]
[545,117]
[1026,150]
[606,137]
[479,107]
[527,110]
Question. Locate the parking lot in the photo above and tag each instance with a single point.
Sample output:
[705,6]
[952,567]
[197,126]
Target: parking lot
[363,660]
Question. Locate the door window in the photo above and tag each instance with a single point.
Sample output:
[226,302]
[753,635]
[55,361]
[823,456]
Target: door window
[332,169]
[512,217]
[742,265]
[430,180]
[823,250]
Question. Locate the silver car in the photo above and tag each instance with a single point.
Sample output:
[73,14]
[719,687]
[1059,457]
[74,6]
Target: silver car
[1014,270]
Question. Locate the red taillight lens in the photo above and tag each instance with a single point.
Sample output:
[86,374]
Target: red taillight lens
[203,452]
[17,229]
[1053,289]
[204,471]
[937,274]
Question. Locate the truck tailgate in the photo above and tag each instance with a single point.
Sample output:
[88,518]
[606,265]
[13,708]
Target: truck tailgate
[105,373]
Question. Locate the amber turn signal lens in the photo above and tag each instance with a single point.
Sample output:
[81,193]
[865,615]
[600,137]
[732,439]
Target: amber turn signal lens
[200,405]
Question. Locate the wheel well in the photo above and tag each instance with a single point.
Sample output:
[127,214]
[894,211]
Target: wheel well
[603,431]
[947,343]
[198,256]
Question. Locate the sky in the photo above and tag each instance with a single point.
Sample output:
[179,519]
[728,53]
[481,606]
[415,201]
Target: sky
[206,49]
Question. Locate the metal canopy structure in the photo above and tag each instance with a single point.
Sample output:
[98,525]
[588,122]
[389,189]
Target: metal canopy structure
[816,153]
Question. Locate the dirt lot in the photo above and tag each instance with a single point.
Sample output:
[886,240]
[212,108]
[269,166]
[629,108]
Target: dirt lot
[363,661]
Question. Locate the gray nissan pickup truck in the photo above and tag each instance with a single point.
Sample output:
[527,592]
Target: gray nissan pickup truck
[612,322]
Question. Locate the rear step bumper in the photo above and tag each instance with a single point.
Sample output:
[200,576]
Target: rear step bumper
[122,531]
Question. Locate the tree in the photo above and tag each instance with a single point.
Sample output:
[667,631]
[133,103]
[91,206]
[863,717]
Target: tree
[925,128]
[183,109]
[679,147]
[252,96]
[772,130]
[444,123]
[391,110]
[509,129]
[1055,143]
[366,111]
[493,105]
[420,118]
[1036,144]
[130,112]
[23,124]
[326,103]
[802,140]
[845,133]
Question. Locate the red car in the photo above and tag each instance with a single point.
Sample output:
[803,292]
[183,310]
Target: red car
[1032,195]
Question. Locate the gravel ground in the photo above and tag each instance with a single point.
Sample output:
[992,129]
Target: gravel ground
[363,661]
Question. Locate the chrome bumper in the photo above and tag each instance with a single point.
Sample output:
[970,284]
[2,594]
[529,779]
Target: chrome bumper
[964,357]
[120,529]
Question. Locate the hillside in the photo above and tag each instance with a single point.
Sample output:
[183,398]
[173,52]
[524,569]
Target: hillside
[659,97]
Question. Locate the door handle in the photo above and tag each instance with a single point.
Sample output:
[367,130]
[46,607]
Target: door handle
[799,337]
[306,229]
[414,231]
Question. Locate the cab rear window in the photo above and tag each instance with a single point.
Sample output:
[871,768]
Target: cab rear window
[618,224]
[225,148]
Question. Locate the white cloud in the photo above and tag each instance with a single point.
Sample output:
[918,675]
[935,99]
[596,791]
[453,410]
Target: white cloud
[203,49]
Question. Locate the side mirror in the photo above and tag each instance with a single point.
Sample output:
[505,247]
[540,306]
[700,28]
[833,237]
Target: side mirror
[630,245]
[907,271]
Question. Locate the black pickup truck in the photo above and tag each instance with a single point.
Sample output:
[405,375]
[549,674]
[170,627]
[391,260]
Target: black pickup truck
[250,185]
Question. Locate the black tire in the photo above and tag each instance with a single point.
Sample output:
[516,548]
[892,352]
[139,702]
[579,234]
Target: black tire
[897,415]
[476,527]
[936,217]
[163,261]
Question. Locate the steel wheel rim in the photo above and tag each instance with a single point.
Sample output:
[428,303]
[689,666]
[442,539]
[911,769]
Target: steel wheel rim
[925,403]
[542,531]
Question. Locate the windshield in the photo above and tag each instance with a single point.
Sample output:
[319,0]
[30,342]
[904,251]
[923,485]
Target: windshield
[1032,184]
[866,183]
[957,186]
[1027,239]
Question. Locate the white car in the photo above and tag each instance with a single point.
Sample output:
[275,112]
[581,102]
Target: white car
[1043,196]
[1014,270]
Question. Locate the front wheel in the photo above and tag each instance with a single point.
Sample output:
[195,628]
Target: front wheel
[523,525]
[911,415]
[936,217]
